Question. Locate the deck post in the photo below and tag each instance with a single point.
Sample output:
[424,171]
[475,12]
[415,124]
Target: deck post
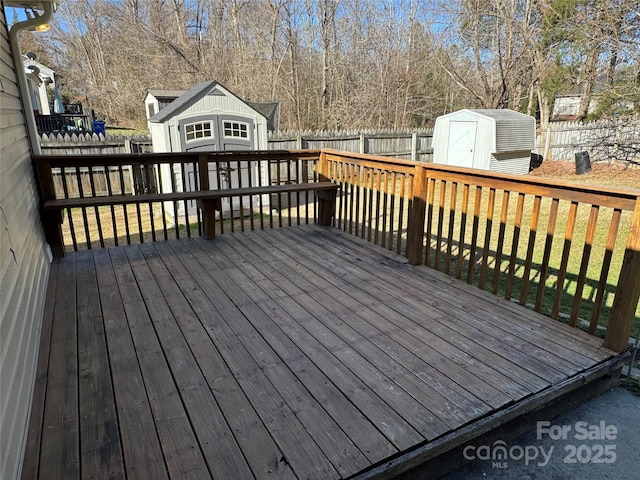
[324,171]
[208,207]
[326,199]
[628,290]
[415,227]
[51,220]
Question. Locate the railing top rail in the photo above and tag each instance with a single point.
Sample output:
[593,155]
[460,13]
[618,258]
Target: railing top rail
[370,157]
[151,158]
[615,197]
[373,161]
[604,195]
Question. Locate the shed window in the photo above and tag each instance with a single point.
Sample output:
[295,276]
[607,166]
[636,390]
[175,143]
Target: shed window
[235,129]
[196,131]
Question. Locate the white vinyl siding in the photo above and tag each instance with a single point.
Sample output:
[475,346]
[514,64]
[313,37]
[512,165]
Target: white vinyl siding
[24,268]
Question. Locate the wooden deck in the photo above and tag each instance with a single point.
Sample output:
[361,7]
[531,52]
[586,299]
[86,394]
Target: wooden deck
[289,353]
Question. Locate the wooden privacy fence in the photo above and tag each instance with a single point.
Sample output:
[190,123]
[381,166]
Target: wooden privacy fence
[411,145]
[568,250]
[92,143]
[605,140]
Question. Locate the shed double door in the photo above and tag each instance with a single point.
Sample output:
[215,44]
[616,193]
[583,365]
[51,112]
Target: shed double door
[214,133]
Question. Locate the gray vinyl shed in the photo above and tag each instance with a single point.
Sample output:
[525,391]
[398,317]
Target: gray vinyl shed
[500,140]
[209,118]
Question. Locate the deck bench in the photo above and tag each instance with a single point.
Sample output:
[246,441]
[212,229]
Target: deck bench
[209,201]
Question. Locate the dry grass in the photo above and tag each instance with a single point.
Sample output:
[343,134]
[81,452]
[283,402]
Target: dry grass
[108,226]
[614,174]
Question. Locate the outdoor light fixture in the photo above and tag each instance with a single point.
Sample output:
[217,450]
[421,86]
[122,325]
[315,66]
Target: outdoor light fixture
[31,13]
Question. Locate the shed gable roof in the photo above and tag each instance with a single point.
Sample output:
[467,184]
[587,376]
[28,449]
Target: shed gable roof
[163,94]
[499,113]
[185,100]
[191,96]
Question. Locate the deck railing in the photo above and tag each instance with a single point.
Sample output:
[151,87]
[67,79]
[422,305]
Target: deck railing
[568,250]
[63,177]
[64,123]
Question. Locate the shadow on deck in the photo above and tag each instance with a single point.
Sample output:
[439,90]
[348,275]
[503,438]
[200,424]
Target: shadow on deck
[289,353]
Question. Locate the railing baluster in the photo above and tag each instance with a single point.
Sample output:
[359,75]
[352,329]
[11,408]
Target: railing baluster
[378,209]
[96,211]
[72,229]
[261,166]
[474,234]
[297,179]
[240,184]
[392,201]
[289,180]
[517,226]
[163,212]
[601,288]
[410,207]
[400,214]
[452,220]
[279,195]
[441,202]
[124,205]
[371,179]
[487,237]
[174,188]
[111,207]
[358,181]
[139,218]
[463,230]
[431,191]
[584,264]
[568,239]
[544,269]
[533,230]
[85,221]
[385,197]
[352,172]
[185,203]
[504,212]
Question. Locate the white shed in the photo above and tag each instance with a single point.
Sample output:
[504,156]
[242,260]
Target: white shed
[500,140]
[208,118]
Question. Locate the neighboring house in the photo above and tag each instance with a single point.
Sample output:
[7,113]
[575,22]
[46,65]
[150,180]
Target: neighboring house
[566,107]
[25,256]
[41,81]
[39,78]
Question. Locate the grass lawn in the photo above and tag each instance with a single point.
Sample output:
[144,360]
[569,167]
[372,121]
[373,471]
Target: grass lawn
[567,255]
[601,174]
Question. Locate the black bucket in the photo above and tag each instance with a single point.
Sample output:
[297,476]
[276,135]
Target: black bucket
[535,161]
[583,164]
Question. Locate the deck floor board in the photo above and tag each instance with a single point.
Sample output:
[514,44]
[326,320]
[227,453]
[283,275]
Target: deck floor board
[300,352]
